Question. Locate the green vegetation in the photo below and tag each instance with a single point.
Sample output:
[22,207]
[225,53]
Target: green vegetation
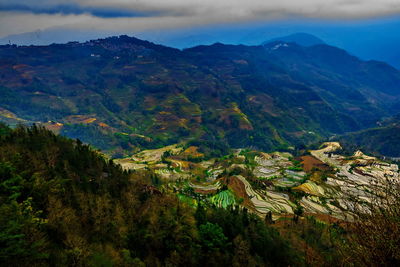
[223,199]
[379,141]
[136,95]
[64,204]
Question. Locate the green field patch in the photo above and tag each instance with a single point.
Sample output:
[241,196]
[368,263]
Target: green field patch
[223,199]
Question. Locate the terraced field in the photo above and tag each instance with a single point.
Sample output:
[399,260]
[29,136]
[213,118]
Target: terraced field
[223,199]
[265,202]
[271,182]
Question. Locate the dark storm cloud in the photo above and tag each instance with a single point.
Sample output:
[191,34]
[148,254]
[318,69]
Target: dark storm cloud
[74,9]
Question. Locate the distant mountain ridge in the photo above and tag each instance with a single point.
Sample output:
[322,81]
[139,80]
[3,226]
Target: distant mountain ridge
[123,93]
[376,40]
[303,39]
[52,35]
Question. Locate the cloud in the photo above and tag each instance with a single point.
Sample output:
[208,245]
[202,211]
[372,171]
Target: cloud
[14,23]
[138,15]
[73,9]
[249,8]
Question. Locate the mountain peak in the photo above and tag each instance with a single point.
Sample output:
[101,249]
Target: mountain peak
[301,38]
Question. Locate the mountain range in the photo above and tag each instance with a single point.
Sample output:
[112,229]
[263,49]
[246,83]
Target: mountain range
[210,156]
[366,39]
[122,93]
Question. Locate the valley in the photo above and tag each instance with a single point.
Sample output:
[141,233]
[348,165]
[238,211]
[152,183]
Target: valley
[122,152]
[323,182]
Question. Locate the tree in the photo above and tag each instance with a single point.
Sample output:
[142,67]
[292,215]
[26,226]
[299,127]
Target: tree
[200,214]
[268,218]
[374,238]
[242,255]
[297,213]
[212,236]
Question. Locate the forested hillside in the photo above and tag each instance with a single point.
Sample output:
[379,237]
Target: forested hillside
[63,204]
[382,141]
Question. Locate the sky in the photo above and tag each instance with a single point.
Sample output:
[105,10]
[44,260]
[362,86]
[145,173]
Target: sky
[19,16]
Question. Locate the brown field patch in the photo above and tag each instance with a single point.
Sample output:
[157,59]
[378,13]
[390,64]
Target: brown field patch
[310,163]
[105,125]
[89,120]
[240,191]
[192,152]
[80,119]
[205,192]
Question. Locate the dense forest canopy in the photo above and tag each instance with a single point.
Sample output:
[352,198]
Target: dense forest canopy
[64,204]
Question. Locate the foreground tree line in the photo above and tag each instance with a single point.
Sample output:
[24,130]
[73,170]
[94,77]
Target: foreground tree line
[63,204]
